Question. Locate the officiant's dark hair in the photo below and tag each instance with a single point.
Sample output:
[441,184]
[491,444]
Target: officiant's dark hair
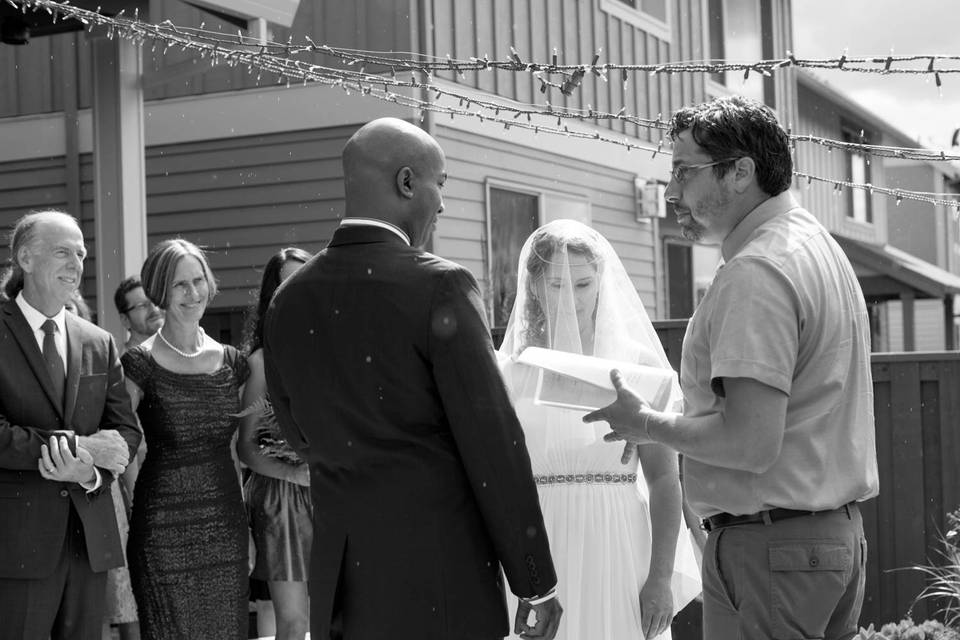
[544,245]
[736,127]
[253,332]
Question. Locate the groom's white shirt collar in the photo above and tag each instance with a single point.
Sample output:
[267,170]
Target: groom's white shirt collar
[371,222]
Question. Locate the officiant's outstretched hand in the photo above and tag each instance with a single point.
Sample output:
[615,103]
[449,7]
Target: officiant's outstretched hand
[628,416]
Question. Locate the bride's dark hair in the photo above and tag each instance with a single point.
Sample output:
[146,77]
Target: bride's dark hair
[544,245]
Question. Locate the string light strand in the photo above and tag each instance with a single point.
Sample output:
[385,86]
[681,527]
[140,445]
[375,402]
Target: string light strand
[258,56]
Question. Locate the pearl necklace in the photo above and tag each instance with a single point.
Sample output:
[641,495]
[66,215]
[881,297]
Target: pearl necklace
[184,353]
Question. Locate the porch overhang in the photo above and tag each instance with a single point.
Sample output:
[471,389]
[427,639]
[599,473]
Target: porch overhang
[886,273]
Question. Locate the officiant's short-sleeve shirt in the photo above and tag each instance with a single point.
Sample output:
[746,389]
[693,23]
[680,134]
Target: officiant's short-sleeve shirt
[785,309]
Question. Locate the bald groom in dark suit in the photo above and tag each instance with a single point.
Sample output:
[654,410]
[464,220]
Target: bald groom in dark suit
[66,430]
[382,373]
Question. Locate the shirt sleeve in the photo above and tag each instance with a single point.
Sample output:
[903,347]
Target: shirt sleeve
[96,484]
[754,329]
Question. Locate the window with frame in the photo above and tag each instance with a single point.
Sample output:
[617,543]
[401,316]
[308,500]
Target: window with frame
[735,34]
[652,16]
[857,168]
[513,216]
[678,258]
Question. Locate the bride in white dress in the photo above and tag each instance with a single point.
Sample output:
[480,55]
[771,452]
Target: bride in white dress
[613,527]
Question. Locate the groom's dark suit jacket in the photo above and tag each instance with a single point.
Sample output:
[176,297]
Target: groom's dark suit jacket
[33,510]
[381,370]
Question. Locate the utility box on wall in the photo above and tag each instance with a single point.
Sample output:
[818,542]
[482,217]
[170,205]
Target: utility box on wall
[650,202]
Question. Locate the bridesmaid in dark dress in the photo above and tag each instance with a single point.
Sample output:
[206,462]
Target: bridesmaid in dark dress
[188,532]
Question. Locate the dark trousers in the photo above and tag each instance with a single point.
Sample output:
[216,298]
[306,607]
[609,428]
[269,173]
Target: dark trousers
[797,578]
[66,605]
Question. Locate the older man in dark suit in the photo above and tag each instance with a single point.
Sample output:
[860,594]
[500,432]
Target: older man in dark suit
[66,431]
[381,370]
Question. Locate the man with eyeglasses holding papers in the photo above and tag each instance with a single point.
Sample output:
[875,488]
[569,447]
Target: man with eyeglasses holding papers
[777,433]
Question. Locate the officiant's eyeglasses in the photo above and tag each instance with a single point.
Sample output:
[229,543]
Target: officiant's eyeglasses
[679,172]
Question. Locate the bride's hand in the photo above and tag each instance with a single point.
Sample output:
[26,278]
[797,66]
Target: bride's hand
[656,607]
[630,453]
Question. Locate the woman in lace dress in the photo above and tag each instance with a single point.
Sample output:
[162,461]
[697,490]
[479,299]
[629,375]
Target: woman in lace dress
[278,490]
[614,526]
[188,530]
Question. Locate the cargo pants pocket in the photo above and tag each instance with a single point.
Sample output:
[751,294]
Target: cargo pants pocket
[808,578]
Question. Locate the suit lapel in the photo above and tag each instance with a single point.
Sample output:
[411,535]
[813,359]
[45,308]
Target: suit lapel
[74,357]
[20,329]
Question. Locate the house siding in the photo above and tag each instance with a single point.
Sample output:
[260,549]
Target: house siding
[914,225]
[577,30]
[928,324]
[35,77]
[241,199]
[822,118]
[472,160]
[245,198]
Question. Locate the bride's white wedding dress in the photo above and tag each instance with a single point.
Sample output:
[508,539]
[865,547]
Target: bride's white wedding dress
[595,508]
[597,515]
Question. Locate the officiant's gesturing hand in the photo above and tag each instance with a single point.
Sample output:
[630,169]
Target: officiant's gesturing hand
[628,416]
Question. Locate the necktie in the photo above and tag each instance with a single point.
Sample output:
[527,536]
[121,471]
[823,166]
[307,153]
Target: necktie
[52,357]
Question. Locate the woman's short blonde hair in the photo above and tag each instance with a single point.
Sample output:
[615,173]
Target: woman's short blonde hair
[161,264]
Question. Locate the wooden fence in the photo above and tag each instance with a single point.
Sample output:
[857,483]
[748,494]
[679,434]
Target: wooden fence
[917,411]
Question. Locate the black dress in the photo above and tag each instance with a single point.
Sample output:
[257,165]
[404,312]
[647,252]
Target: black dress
[188,531]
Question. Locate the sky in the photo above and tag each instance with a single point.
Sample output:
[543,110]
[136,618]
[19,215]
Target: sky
[866,28]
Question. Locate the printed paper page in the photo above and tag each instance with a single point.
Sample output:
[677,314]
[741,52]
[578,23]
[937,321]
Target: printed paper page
[583,382]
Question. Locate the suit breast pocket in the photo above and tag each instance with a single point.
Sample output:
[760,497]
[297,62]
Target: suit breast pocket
[91,394]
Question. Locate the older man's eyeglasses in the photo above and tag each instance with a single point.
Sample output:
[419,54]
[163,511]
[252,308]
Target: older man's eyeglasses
[680,171]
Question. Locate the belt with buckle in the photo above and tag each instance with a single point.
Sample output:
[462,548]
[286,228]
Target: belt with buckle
[762,517]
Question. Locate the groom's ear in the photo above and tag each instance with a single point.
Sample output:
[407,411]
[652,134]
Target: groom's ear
[404,180]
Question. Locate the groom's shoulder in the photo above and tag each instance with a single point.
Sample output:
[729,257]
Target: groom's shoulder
[439,267]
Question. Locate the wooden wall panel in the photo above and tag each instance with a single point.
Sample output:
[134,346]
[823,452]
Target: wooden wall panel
[820,117]
[484,26]
[499,47]
[241,198]
[34,185]
[472,27]
[522,42]
[28,186]
[31,75]
[464,36]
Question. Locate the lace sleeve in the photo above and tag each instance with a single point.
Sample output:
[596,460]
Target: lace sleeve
[136,365]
